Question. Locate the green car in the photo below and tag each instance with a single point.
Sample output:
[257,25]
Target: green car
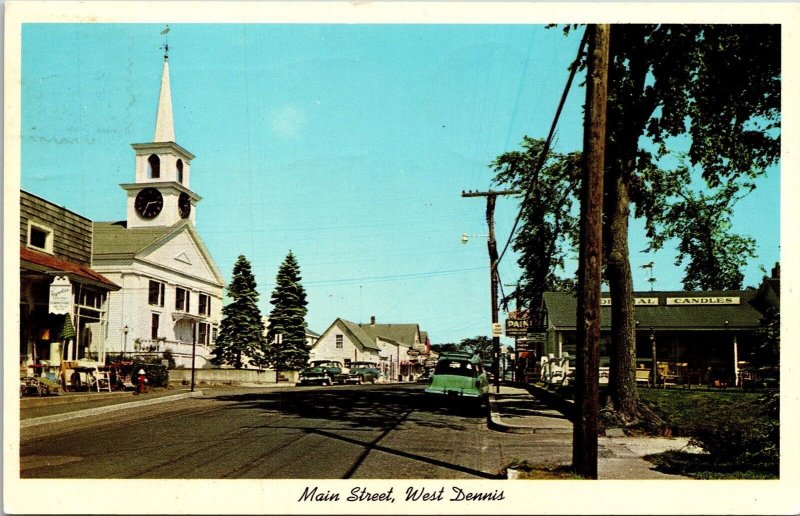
[459,376]
[322,372]
[361,372]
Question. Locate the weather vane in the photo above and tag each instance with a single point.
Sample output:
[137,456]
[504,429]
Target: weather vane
[165,47]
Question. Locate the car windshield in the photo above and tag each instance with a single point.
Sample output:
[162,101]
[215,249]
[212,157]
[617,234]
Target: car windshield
[362,364]
[324,364]
[455,367]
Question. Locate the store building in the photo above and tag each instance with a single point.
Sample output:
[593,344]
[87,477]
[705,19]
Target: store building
[704,335]
[171,289]
[63,301]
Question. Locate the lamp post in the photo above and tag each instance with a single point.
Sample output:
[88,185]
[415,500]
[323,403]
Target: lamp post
[125,340]
[278,341]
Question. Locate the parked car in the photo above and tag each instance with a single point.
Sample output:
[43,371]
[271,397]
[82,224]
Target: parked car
[322,372]
[361,372]
[425,377]
[459,376]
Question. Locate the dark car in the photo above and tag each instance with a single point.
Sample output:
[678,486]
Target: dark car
[322,372]
[361,372]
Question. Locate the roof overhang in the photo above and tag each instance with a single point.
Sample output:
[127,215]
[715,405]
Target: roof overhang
[51,265]
[166,185]
[184,316]
[143,148]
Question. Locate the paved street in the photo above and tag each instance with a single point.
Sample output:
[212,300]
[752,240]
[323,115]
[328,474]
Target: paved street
[381,431]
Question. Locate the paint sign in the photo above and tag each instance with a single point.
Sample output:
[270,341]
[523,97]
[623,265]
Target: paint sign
[517,323]
[711,300]
[60,300]
[497,330]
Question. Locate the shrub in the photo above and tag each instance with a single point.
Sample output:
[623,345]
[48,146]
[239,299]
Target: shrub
[745,437]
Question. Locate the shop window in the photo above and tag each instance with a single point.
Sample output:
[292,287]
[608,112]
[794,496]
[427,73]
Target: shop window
[40,237]
[153,167]
[204,304]
[182,299]
[347,362]
[155,293]
[154,320]
[339,342]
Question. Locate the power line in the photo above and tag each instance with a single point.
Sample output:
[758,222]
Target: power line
[546,149]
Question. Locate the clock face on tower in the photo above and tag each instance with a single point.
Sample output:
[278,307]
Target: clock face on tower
[149,203]
[184,205]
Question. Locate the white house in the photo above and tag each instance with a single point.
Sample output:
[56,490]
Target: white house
[395,347]
[171,289]
[346,342]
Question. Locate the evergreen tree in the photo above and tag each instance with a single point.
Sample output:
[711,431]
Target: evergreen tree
[287,319]
[241,331]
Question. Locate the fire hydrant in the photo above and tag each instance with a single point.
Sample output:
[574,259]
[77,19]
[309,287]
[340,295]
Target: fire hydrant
[141,382]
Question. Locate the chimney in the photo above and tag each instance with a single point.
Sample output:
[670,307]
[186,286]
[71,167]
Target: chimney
[776,271]
[372,320]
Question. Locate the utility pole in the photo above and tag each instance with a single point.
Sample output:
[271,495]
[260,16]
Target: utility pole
[584,442]
[491,198]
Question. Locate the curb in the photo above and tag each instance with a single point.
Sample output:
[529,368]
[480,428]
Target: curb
[103,410]
[497,423]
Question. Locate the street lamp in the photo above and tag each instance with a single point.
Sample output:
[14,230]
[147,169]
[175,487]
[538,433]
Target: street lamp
[125,341]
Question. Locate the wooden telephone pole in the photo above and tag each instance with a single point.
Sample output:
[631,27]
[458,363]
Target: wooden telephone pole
[491,198]
[584,442]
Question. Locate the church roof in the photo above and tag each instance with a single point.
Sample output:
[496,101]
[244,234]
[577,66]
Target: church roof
[114,240]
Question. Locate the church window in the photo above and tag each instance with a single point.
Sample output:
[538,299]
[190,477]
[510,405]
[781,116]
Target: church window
[182,299]
[154,326]
[179,166]
[204,304]
[339,341]
[203,333]
[153,167]
[155,293]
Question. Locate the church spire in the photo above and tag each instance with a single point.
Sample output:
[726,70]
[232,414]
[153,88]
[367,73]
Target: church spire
[165,126]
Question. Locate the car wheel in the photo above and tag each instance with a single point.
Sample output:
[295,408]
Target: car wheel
[327,381]
[360,380]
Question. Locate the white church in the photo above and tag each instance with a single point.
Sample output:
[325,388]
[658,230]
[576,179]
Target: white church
[171,289]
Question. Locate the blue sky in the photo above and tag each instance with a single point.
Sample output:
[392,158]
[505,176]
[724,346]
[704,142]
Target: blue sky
[348,144]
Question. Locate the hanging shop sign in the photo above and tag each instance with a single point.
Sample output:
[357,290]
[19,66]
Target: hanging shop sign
[412,352]
[517,323]
[536,338]
[60,300]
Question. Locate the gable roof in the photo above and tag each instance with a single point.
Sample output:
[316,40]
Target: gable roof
[401,333]
[114,240]
[356,334]
[561,310]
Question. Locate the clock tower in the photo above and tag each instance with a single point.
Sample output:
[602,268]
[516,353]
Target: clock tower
[160,195]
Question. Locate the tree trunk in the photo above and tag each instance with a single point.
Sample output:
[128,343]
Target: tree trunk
[622,379]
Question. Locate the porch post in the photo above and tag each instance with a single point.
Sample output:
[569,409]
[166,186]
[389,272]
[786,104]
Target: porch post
[560,343]
[736,359]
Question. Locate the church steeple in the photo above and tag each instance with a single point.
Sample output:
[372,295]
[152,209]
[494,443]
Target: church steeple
[165,126]
[161,195]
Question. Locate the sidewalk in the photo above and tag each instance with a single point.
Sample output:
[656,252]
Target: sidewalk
[516,410]
[40,410]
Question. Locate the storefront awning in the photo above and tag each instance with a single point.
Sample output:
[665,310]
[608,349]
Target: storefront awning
[40,262]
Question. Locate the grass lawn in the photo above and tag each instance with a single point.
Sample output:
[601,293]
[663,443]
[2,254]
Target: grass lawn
[731,425]
[682,409]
